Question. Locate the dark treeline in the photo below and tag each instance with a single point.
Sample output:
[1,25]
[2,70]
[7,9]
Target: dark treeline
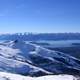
[41,36]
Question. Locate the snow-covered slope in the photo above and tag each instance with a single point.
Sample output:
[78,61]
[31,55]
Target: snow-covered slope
[29,59]
[9,76]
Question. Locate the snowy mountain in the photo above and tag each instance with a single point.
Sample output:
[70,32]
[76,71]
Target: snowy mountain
[30,59]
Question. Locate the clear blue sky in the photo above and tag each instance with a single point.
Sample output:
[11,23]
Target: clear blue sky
[39,16]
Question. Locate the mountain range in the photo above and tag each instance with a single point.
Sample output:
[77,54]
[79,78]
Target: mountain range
[29,59]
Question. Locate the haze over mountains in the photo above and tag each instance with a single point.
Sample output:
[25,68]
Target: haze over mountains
[41,36]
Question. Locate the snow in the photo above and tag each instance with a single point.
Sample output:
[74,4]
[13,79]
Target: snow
[31,59]
[9,76]
[13,59]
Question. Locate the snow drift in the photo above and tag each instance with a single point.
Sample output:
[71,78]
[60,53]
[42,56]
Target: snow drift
[9,76]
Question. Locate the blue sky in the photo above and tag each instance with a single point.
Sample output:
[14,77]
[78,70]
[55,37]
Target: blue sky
[39,16]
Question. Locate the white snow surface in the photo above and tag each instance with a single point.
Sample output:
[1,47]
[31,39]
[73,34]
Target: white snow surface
[10,76]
